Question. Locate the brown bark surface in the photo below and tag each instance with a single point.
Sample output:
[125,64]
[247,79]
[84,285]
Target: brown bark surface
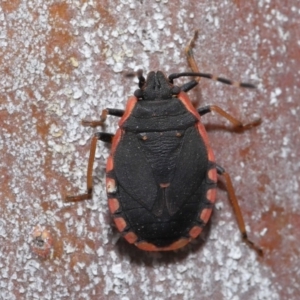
[63,61]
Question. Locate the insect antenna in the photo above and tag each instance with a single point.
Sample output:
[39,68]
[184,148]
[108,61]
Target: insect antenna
[213,77]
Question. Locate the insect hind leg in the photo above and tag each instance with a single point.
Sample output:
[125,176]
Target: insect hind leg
[237,211]
[105,137]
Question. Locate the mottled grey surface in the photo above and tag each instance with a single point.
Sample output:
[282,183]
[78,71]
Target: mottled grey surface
[63,61]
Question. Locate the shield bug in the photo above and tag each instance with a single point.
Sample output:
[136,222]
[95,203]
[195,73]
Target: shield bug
[161,175]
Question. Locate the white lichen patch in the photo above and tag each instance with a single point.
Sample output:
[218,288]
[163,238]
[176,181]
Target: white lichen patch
[64,61]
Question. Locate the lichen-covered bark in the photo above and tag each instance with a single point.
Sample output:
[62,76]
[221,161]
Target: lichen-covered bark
[63,61]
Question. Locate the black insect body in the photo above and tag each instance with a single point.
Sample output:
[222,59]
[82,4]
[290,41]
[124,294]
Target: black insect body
[161,174]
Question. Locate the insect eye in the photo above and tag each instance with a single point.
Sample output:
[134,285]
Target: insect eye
[138,93]
[175,90]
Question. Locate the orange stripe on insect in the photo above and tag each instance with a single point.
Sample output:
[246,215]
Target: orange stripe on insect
[150,247]
[205,214]
[130,237]
[120,223]
[129,107]
[113,205]
[184,98]
[146,246]
[116,140]
[204,136]
[211,195]
[212,174]
[109,164]
[195,231]
[164,185]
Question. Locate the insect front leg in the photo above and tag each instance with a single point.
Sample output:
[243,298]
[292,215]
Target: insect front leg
[102,136]
[105,112]
[190,55]
[193,65]
[238,124]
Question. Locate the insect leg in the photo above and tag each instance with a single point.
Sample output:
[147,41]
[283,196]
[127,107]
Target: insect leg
[238,124]
[237,210]
[190,55]
[192,63]
[105,112]
[105,137]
